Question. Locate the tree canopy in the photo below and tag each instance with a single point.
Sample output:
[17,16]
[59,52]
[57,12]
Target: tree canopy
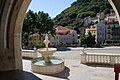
[88,40]
[36,23]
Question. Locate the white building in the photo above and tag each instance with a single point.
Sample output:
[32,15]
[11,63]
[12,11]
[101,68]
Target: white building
[87,21]
[100,32]
[100,16]
[64,36]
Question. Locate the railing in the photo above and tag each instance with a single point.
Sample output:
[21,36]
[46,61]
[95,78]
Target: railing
[100,58]
[29,53]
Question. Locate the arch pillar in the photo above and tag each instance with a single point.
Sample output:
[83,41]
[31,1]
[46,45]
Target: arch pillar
[12,14]
[116,7]
[18,34]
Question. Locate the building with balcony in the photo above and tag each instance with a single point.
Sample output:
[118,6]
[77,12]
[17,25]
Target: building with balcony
[108,31]
[112,33]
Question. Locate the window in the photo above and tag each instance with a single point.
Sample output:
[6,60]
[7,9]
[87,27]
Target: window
[56,37]
[108,27]
[108,36]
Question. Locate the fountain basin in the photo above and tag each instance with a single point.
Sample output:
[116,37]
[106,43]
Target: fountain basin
[56,65]
[52,50]
[47,53]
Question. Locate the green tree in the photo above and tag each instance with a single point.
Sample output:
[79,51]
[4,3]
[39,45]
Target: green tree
[107,11]
[88,40]
[86,14]
[36,23]
[83,39]
[44,23]
[28,26]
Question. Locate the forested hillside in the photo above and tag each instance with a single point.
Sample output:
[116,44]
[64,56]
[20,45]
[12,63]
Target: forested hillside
[74,15]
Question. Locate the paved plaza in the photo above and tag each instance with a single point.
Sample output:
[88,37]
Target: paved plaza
[76,71]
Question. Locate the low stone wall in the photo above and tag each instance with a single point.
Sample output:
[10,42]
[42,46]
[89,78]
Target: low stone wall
[111,59]
[29,53]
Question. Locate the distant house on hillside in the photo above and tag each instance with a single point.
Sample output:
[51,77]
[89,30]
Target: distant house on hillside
[108,31]
[91,29]
[63,36]
[112,31]
[87,21]
[90,21]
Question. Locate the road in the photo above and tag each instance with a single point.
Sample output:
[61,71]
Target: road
[74,53]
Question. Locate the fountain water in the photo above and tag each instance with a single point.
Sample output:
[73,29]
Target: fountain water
[47,64]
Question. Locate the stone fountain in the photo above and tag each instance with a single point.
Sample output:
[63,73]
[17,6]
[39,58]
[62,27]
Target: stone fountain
[47,64]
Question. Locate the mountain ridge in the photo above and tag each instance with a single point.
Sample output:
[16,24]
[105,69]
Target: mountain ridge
[74,15]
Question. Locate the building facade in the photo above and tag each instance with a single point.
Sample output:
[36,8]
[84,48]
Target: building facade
[100,32]
[91,29]
[112,33]
[63,36]
[87,21]
[108,31]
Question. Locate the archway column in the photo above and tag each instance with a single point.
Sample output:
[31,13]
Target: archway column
[12,14]
[18,34]
[116,7]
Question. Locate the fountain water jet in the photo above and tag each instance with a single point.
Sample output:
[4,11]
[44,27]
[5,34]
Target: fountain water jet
[47,64]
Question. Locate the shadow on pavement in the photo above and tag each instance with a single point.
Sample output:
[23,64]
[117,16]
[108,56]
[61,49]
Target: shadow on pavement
[17,75]
[64,74]
[63,49]
[99,65]
[27,58]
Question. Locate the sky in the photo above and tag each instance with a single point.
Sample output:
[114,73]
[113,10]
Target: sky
[52,7]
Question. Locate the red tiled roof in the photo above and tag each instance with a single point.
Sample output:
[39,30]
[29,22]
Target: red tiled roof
[63,30]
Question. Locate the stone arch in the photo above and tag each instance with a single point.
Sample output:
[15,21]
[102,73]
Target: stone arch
[18,31]
[12,14]
[116,7]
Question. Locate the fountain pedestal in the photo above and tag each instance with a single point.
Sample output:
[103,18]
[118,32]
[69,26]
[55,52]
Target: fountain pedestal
[47,54]
[47,64]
